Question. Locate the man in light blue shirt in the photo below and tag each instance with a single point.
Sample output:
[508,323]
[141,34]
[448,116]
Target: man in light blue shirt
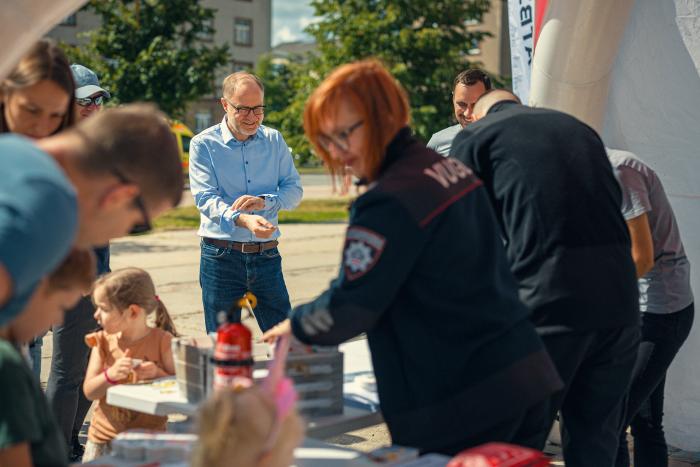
[241,175]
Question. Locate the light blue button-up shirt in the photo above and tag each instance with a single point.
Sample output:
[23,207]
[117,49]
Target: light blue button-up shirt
[222,169]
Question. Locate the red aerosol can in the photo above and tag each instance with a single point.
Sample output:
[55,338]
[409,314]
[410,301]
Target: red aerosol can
[233,353]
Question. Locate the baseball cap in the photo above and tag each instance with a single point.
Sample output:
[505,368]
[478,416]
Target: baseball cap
[86,82]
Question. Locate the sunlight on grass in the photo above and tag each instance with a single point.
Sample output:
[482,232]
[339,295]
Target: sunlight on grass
[311,211]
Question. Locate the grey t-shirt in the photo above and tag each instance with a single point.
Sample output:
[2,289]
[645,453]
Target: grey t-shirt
[666,287]
[441,142]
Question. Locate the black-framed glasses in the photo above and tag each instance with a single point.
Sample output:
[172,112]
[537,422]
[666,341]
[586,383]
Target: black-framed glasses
[341,139]
[245,111]
[145,225]
[88,101]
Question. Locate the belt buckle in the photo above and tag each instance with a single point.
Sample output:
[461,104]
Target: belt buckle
[257,247]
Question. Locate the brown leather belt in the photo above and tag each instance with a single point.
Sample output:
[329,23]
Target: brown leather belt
[247,248]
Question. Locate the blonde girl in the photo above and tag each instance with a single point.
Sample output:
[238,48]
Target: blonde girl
[127,349]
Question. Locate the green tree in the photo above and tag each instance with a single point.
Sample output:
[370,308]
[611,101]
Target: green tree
[423,42]
[153,50]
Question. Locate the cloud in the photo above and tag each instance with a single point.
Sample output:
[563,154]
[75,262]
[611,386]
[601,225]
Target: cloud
[284,34]
[289,18]
[306,20]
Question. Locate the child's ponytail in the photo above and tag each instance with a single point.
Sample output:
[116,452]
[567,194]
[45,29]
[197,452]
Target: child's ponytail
[163,319]
[134,286]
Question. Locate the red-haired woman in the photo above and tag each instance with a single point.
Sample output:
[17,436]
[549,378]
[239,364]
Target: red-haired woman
[424,274]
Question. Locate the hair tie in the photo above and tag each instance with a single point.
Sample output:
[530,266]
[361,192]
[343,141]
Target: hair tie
[157,298]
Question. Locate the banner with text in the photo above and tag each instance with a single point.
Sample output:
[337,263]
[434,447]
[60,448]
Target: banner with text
[521,25]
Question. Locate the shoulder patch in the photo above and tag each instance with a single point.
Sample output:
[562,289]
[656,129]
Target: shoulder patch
[362,250]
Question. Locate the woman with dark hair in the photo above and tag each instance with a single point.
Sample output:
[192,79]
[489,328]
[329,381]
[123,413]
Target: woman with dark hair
[425,276]
[37,97]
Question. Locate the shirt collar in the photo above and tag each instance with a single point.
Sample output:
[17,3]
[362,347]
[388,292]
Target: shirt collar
[227,136]
[396,146]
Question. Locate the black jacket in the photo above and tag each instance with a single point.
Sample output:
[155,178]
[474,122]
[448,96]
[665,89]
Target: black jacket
[558,204]
[424,274]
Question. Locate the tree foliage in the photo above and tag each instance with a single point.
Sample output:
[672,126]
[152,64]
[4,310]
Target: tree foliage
[152,50]
[423,43]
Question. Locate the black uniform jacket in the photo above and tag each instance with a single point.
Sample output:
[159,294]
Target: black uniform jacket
[558,203]
[424,274]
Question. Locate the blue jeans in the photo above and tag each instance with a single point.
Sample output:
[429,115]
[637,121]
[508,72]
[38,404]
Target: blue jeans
[662,337]
[225,275]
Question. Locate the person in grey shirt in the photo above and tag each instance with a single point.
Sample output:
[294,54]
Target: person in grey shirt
[468,86]
[665,299]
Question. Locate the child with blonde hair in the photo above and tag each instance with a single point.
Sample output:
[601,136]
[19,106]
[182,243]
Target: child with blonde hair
[29,434]
[256,426]
[127,349]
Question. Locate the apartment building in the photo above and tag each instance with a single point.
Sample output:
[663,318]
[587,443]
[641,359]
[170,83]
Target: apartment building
[493,52]
[245,25]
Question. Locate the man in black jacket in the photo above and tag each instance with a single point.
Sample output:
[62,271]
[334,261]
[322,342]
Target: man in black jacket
[558,203]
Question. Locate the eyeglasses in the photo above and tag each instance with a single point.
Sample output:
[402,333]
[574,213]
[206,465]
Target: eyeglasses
[88,101]
[145,225]
[340,139]
[245,111]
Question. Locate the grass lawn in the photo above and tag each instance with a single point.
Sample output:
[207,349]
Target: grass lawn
[309,211]
[312,170]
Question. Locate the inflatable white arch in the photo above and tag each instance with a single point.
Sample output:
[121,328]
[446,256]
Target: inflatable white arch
[631,70]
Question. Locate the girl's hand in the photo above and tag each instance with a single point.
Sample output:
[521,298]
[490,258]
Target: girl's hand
[121,368]
[283,328]
[146,370]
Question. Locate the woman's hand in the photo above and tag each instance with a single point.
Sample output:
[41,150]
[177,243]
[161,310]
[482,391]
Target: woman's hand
[282,329]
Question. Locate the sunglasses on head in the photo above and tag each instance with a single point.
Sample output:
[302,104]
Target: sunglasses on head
[88,101]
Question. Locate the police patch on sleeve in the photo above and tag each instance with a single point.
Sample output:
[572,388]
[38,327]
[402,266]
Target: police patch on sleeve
[362,250]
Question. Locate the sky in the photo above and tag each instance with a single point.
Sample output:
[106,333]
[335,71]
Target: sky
[289,18]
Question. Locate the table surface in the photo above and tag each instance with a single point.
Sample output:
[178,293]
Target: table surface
[162,397]
[312,453]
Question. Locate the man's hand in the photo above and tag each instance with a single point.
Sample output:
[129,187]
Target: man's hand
[248,203]
[260,227]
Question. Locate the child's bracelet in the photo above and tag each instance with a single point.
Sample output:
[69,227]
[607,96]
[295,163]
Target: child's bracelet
[109,380]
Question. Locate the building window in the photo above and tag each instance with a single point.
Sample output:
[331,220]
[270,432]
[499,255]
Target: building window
[208,34]
[474,48]
[202,121]
[70,20]
[242,66]
[243,31]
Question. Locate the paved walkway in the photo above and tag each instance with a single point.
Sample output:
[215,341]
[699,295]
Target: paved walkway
[311,257]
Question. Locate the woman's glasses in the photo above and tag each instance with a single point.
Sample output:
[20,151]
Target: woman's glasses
[340,139]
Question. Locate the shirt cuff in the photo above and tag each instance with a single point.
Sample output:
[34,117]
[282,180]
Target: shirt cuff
[231,216]
[270,200]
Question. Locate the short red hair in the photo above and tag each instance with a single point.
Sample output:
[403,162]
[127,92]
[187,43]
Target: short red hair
[377,96]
